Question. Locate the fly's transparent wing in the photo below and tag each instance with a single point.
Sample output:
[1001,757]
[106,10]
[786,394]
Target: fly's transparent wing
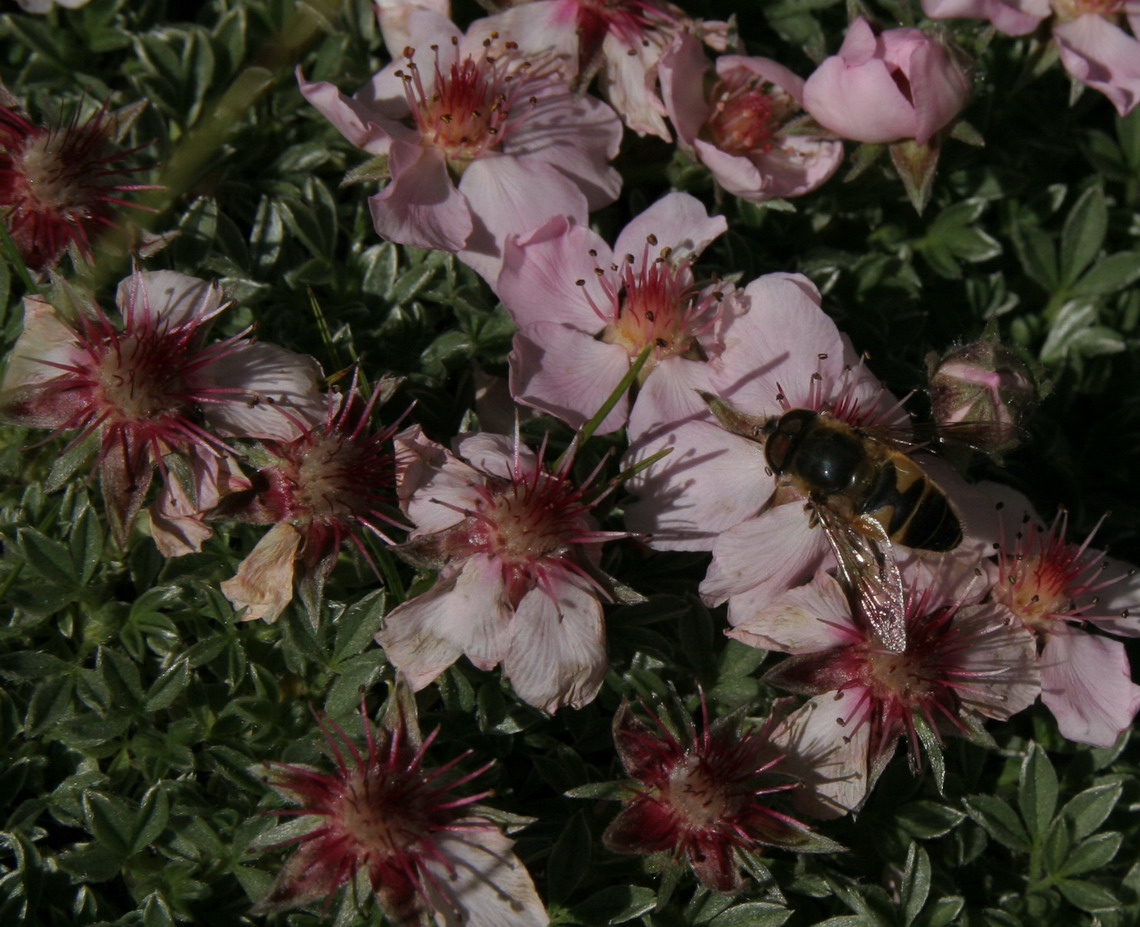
[868,571]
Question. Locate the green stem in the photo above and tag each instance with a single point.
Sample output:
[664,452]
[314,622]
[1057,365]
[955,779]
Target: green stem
[16,261]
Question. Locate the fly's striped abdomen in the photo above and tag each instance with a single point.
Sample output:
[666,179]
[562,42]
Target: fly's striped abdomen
[910,506]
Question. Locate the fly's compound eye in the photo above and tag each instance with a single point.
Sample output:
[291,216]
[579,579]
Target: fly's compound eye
[829,460]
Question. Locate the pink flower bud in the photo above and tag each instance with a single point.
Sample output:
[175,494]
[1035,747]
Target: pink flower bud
[901,84]
[982,382]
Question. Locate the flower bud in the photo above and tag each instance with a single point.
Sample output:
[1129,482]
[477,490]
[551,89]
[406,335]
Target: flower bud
[901,84]
[983,382]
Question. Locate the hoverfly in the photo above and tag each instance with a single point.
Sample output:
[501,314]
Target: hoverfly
[865,492]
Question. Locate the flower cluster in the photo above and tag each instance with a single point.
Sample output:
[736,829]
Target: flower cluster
[904,605]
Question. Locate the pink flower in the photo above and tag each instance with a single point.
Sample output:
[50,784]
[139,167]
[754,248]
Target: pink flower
[149,386]
[59,186]
[902,84]
[429,855]
[622,41]
[957,660]
[585,312]
[331,482]
[703,797]
[1056,590]
[519,584]
[481,138]
[790,354]
[1090,37]
[735,125]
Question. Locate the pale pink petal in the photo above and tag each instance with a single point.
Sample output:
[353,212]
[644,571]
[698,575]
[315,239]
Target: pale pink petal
[1103,56]
[494,454]
[538,26]
[557,655]
[265,391]
[443,497]
[368,124]
[710,481]
[420,206]
[1013,17]
[263,585]
[393,17]
[999,661]
[794,166]
[478,882]
[682,72]
[1086,683]
[777,345]
[417,457]
[764,557]
[539,281]
[939,89]
[677,221]
[578,137]
[670,397]
[568,374]
[627,82]
[463,614]
[809,618]
[45,340]
[825,744]
[508,195]
[176,299]
[1121,597]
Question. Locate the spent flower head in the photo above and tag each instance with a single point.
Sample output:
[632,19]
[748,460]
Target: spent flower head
[335,480]
[429,853]
[704,797]
[146,385]
[60,186]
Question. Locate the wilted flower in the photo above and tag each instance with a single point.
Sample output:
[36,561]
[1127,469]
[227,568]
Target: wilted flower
[1056,590]
[983,381]
[59,186]
[517,553]
[1090,37]
[430,855]
[737,124]
[330,482]
[481,139]
[704,797]
[901,84]
[958,661]
[585,312]
[148,387]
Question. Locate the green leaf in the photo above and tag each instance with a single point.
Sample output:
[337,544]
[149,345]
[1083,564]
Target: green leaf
[1037,791]
[1109,275]
[941,912]
[167,687]
[354,676]
[110,821]
[48,557]
[1087,810]
[752,914]
[617,790]
[1037,254]
[86,544]
[1056,845]
[1087,896]
[926,819]
[151,819]
[1091,854]
[1083,234]
[1073,316]
[915,887]
[569,859]
[998,820]
[616,905]
[357,625]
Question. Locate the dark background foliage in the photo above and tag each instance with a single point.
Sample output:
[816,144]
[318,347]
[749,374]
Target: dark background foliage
[136,714]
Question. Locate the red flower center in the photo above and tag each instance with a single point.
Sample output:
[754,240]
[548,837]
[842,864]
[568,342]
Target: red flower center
[747,113]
